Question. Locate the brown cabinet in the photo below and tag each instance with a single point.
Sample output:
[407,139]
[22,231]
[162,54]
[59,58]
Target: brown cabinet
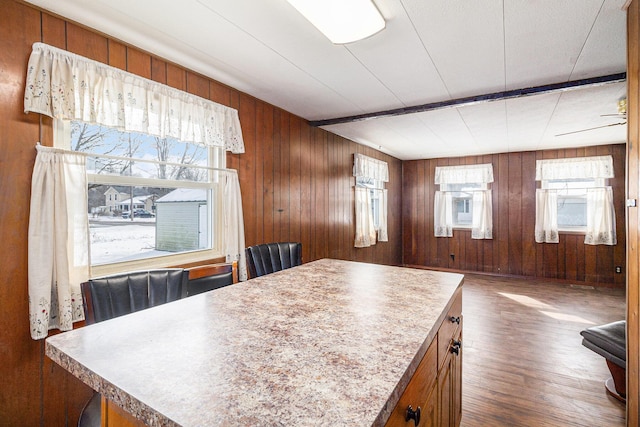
[435,390]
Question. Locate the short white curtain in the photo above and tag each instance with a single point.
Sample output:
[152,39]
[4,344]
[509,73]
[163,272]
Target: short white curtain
[463,174]
[369,167]
[365,229]
[601,217]
[482,217]
[234,223]
[575,168]
[66,86]
[442,215]
[58,241]
[546,228]
[382,226]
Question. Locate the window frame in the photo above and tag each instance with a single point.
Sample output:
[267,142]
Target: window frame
[217,161]
[375,187]
[456,189]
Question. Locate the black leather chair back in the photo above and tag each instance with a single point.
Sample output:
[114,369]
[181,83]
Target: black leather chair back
[112,296]
[270,257]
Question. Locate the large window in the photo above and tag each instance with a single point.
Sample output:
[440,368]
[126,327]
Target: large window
[150,199]
[573,197]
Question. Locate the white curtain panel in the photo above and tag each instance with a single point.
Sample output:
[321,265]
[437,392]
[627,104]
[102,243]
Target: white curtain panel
[482,218]
[442,215]
[66,86]
[365,230]
[382,227]
[234,223]
[58,241]
[601,217]
[546,228]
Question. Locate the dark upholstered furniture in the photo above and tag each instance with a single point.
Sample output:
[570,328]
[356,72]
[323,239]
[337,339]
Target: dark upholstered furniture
[206,278]
[271,257]
[111,296]
[609,341]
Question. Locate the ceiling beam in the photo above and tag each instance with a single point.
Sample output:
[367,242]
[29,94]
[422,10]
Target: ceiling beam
[496,96]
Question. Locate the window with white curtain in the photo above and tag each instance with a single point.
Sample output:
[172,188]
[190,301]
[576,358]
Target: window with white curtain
[370,200]
[573,197]
[166,206]
[464,200]
[142,144]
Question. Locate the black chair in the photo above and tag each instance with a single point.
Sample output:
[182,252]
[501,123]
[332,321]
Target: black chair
[208,277]
[271,257]
[609,341]
[112,296]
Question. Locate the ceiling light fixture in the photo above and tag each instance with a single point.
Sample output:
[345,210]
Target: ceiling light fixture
[342,21]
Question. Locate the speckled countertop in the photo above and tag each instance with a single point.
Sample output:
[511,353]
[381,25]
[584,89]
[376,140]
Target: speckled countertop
[329,343]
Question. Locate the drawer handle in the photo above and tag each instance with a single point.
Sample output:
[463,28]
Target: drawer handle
[457,343]
[453,319]
[455,350]
[413,415]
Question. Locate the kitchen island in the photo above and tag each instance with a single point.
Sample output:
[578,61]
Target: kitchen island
[326,343]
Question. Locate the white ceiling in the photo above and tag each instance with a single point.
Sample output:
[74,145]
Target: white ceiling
[430,51]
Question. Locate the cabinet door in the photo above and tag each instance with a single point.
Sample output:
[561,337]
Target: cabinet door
[445,392]
[421,392]
[456,382]
[450,383]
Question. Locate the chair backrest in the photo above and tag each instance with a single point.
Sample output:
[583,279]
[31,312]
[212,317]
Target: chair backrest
[208,277]
[270,257]
[119,294]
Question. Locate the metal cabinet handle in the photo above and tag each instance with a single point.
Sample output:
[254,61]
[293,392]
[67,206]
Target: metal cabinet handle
[454,319]
[413,415]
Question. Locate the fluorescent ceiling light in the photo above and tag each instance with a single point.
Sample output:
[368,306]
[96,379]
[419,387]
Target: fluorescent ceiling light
[342,21]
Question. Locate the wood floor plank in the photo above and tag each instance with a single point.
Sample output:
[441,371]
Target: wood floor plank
[524,363]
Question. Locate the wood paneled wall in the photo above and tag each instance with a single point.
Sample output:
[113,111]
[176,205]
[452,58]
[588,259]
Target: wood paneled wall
[513,250]
[296,183]
[633,220]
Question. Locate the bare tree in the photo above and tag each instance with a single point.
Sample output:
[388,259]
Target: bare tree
[190,156]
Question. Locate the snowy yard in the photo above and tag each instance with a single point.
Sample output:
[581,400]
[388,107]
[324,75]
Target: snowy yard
[117,239]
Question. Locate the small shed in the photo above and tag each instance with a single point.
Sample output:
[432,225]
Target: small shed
[182,220]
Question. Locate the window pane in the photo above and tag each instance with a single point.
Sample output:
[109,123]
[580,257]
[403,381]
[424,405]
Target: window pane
[146,222]
[183,158]
[462,211]
[572,212]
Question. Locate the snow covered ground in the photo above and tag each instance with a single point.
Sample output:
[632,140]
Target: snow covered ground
[116,239]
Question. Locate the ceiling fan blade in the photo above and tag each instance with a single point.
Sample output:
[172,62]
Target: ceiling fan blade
[597,127]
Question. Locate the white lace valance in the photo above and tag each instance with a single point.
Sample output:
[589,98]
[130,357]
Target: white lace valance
[464,174]
[575,168]
[370,168]
[66,86]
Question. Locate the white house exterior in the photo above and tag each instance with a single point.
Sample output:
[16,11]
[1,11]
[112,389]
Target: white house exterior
[113,198]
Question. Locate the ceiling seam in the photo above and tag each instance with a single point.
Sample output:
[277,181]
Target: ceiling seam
[504,65]
[444,84]
[593,24]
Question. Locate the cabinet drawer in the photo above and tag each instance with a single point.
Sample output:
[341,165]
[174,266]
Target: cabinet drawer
[451,323]
[419,391]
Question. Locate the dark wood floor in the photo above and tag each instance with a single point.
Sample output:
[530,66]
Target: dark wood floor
[524,364]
